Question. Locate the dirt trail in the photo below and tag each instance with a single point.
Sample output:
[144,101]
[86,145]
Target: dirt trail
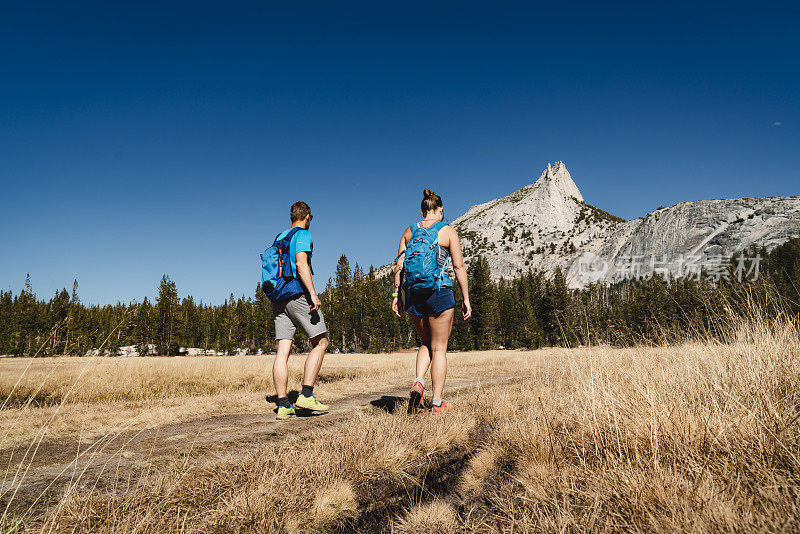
[123,457]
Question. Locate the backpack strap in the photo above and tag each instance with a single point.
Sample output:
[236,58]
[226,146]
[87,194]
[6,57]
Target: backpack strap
[438,226]
[434,227]
[287,239]
[410,227]
[285,246]
[443,272]
[290,235]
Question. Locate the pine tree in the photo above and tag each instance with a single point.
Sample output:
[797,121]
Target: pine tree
[74,304]
[166,311]
[342,272]
[460,335]
[783,270]
[342,301]
[26,319]
[555,310]
[143,331]
[265,325]
[356,303]
[485,310]
[59,311]
[230,325]
[190,321]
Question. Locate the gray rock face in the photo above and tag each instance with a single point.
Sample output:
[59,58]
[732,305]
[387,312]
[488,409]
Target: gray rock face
[547,225]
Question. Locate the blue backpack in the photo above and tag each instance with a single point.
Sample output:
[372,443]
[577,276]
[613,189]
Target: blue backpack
[277,279]
[420,265]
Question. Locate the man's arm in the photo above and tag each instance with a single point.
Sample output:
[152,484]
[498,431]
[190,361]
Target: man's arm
[304,272]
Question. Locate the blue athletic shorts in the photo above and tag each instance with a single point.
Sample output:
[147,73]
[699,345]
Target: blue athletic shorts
[429,302]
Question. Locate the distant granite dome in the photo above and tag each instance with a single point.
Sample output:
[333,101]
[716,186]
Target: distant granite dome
[548,224]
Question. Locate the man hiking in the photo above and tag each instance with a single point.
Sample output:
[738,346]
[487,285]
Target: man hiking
[286,279]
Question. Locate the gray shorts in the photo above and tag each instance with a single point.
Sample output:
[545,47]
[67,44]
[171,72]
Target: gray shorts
[297,313]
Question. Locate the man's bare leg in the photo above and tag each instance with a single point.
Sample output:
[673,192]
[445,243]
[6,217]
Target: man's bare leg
[319,345]
[280,367]
[307,399]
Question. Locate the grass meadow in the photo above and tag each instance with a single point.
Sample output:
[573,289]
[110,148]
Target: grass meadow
[694,437]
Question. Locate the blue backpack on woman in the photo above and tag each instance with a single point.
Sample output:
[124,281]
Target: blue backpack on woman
[421,264]
[278,281]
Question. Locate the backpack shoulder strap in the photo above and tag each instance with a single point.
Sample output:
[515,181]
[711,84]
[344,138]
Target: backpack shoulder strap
[283,246]
[438,226]
[287,239]
[443,272]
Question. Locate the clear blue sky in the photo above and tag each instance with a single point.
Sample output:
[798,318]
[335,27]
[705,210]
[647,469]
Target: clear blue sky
[141,138]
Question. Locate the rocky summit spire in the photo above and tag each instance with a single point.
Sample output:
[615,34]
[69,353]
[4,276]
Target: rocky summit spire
[556,180]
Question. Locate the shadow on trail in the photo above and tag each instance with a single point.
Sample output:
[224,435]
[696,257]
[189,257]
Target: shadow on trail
[388,403]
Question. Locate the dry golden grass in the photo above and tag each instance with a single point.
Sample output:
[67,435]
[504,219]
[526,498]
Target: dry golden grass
[94,396]
[435,517]
[48,381]
[304,484]
[334,505]
[692,438]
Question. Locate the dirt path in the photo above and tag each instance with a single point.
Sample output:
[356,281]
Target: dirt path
[116,460]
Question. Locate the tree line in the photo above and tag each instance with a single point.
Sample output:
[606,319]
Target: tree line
[531,310]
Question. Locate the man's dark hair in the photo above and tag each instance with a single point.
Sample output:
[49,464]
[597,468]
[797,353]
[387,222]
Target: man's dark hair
[300,210]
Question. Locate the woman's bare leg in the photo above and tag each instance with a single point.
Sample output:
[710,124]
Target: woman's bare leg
[440,327]
[424,352]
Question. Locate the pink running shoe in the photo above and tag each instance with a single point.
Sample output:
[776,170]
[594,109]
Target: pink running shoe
[445,407]
[415,400]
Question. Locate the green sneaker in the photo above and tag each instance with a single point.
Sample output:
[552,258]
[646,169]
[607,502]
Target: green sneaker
[311,403]
[285,413]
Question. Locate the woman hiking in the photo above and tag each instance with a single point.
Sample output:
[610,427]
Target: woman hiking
[423,254]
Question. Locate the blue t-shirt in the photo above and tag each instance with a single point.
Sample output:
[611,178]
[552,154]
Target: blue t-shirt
[301,242]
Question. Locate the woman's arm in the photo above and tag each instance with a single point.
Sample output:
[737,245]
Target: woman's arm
[398,268]
[399,265]
[460,270]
